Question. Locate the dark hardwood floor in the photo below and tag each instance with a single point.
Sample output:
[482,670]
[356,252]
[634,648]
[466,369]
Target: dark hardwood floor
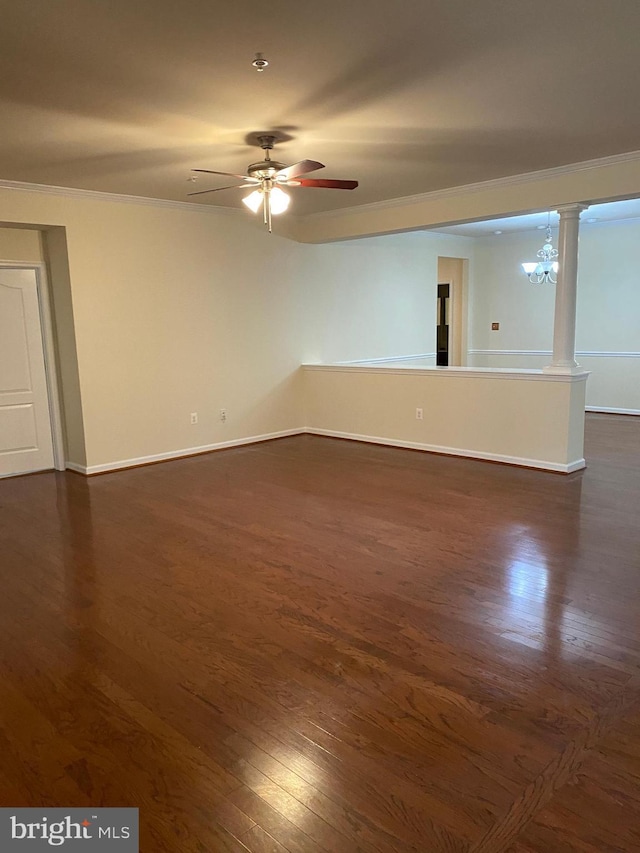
[315,645]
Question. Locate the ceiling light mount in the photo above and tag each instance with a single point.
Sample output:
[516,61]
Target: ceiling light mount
[266,141]
[260,63]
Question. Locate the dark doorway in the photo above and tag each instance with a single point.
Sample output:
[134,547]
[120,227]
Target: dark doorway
[442,328]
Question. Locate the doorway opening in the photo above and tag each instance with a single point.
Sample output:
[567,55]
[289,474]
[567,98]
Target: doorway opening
[442,327]
[451,312]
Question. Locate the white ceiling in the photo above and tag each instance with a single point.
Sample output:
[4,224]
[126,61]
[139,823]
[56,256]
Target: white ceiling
[613,211]
[127,96]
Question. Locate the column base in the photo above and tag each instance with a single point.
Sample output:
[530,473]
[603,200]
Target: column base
[565,369]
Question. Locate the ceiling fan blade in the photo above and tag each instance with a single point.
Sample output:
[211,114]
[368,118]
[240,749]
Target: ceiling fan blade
[217,189]
[301,168]
[328,183]
[226,174]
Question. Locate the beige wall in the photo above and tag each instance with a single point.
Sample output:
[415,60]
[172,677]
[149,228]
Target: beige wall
[164,310]
[175,311]
[20,244]
[532,420]
[54,241]
[608,315]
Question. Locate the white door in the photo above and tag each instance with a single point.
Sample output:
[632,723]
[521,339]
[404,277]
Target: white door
[25,425]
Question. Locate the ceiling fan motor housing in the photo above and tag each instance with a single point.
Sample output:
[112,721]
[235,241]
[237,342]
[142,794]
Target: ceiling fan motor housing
[265,169]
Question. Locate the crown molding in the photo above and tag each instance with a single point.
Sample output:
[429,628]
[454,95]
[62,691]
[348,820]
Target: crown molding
[97,195]
[387,204]
[547,352]
[480,186]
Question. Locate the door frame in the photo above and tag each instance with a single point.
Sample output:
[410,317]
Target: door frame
[49,350]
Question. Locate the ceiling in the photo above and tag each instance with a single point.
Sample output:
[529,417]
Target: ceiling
[613,211]
[127,96]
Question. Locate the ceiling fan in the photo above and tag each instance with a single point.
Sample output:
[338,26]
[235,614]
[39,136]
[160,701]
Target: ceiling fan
[267,178]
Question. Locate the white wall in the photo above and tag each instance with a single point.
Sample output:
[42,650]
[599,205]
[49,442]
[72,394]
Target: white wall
[374,298]
[608,317]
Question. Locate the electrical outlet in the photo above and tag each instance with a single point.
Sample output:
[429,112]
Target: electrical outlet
[194,417]
[223,415]
[419,414]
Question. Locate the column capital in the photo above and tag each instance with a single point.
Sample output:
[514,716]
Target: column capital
[569,210]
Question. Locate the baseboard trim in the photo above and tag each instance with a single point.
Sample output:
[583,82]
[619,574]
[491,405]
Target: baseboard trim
[76,467]
[518,461]
[123,464]
[607,410]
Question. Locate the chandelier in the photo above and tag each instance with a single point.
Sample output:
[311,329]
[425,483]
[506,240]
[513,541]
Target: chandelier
[545,269]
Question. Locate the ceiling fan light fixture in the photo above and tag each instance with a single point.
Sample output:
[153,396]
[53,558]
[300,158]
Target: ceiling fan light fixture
[265,176]
[279,201]
[253,200]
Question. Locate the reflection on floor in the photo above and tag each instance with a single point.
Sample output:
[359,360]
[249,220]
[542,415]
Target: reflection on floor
[312,645]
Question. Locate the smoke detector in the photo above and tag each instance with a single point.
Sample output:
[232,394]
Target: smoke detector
[260,63]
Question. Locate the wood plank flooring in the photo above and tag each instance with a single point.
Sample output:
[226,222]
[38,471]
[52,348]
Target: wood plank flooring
[314,645]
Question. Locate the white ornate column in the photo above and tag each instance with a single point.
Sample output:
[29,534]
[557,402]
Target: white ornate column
[564,324]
